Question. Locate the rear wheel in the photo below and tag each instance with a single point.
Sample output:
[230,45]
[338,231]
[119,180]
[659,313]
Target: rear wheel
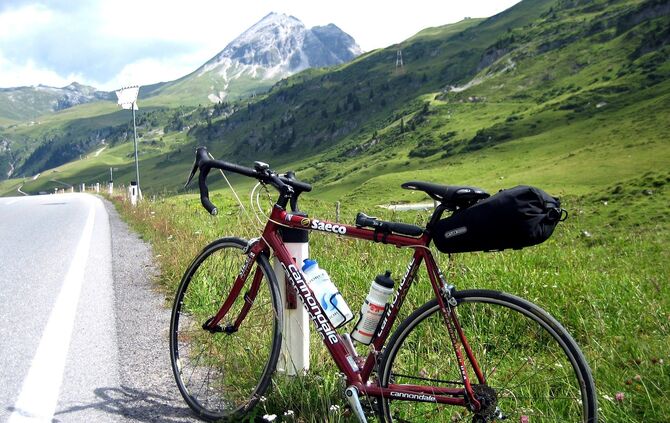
[223,375]
[533,368]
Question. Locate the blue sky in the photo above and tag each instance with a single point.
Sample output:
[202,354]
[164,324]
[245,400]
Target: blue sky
[111,43]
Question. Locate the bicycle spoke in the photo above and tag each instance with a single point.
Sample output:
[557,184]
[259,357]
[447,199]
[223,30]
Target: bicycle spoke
[206,380]
[198,357]
[524,382]
[546,366]
[448,382]
[504,355]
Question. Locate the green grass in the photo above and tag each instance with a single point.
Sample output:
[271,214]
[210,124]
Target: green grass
[9,187]
[602,275]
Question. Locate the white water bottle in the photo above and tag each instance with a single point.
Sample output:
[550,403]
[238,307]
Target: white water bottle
[327,294]
[373,308]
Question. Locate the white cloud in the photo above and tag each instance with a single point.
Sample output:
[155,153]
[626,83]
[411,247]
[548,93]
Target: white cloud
[204,23]
[17,22]
[151,70]
[28,73]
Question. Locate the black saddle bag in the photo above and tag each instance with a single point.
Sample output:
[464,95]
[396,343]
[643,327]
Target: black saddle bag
[513,218]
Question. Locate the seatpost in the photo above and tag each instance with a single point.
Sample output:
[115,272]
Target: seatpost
[437,214]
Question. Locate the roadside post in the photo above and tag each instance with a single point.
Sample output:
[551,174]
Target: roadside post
[111,182]
[132,192]
[97,187]
[294,355]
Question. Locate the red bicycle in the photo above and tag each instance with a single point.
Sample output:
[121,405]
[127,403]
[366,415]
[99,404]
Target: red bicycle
[469,355]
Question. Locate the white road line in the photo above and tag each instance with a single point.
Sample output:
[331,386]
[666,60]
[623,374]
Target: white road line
[39,394]
[11,202]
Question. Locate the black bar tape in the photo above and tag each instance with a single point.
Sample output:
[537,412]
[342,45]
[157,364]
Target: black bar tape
[204,192]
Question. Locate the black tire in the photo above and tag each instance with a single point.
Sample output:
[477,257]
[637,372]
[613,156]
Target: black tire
[534,365]
[223,375]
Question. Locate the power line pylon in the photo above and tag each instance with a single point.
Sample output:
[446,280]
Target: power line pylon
[399,65]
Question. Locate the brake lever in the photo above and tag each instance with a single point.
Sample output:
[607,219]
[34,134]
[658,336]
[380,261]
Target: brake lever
[190,177]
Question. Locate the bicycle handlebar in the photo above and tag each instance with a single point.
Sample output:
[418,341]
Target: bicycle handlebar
[261,172]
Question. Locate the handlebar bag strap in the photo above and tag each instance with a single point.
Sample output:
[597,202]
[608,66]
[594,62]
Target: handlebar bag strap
[513,218]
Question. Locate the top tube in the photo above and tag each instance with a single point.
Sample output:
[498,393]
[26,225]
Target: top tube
[280,216]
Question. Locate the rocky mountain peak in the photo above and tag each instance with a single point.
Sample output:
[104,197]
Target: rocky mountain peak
[279,45]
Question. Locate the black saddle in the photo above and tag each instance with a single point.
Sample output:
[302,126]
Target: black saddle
[453,197]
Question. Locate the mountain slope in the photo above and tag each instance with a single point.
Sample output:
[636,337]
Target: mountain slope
[27,103]
[275,47]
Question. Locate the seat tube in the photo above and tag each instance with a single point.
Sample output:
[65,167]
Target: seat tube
[453,327]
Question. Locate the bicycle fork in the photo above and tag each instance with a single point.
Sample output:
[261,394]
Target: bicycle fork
[212,324]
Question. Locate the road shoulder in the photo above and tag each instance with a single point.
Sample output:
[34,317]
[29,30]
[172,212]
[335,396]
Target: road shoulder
[147,390]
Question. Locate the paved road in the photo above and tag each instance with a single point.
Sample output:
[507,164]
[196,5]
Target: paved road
[83,336]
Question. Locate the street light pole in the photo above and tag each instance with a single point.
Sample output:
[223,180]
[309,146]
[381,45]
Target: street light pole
[137,165]
[127,99]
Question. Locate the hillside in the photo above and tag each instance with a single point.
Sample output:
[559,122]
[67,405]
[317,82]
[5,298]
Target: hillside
[28,103]
[566,94]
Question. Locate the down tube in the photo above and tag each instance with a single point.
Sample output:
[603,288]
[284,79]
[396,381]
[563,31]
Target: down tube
[330,337]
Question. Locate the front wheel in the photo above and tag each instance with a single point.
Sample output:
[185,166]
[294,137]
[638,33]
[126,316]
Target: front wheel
[534,370]
[222,375]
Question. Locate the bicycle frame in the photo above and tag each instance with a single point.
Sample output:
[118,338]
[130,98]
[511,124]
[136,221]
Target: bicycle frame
[359,375]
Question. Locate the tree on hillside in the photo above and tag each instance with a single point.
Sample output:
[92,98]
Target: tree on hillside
[356,105]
